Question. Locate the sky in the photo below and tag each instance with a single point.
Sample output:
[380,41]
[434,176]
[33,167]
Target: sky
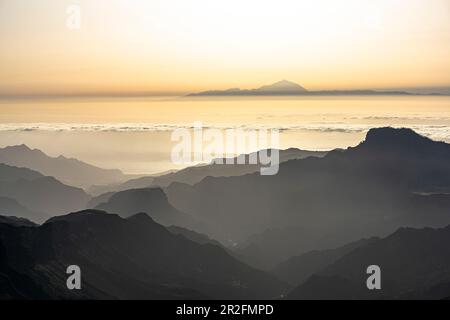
[179,46]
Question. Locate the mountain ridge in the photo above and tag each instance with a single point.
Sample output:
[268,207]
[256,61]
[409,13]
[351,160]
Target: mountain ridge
[414,264]
[194,174]
[133,258]
[370,190]
[35,196]
[152,201]
[68,170]
[288,88]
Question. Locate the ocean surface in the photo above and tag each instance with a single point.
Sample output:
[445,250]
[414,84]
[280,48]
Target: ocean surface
[134,134]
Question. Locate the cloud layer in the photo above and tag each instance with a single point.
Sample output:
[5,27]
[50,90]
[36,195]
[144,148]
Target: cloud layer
[434,131]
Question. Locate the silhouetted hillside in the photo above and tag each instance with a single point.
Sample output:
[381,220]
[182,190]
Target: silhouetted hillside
[18,222]
[195,174]
[297,269]
[67,170]
[193,236]
[414,264]
[11,173]
[44,196]
[368,190]
[10,207]
[95,201]
[132,258]
[152,201]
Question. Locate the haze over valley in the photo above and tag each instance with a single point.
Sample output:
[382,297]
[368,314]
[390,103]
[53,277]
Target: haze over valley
[394,179]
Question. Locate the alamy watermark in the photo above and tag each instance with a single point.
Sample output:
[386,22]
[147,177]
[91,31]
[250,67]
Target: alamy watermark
[74,280]
[227,146]
[73,20]
[374,280]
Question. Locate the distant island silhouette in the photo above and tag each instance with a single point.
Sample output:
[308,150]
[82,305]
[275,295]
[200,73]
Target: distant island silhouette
[289,88]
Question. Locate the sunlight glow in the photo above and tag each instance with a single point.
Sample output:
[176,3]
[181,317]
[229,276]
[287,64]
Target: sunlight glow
[181,46]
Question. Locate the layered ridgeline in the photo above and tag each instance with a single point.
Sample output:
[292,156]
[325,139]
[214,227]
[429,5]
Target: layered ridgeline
[395,178]
[152,201]
[414,264]
[133,258]
[288,88]
[67,170]
[297,269]
[136,258]
[193,175]
[392,179]
[12,208]
[29,194]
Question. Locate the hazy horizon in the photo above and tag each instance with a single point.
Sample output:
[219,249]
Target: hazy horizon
[133,134]
[421,90]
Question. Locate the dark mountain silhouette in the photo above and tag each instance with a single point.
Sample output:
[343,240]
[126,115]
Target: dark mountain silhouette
[195,174]
[288,88]
[45,196]
[132,258]
[297,269]
[67,170]
[18,222]
[369,190]
[152,201]
[414,264]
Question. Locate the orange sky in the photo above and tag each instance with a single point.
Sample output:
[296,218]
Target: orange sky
[178,46]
